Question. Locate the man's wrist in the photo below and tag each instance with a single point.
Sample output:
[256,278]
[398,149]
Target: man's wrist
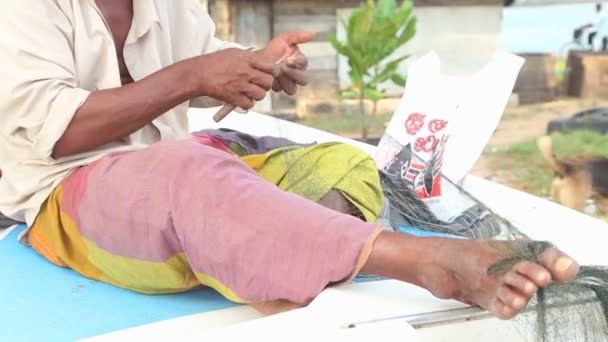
[190,78]
[258,51]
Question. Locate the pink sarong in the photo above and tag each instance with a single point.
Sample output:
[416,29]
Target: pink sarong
[180,215]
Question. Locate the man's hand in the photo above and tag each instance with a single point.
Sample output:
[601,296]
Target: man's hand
[235,76]
[293,67]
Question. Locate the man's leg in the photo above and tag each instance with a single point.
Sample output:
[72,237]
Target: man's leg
[591,39]
[169,217]
[179,214]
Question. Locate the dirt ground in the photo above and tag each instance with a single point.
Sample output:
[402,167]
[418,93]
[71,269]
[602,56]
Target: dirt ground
[526,122]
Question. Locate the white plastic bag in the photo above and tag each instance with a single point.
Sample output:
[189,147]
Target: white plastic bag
[442,125]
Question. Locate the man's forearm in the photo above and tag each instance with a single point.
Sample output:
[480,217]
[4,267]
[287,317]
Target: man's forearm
[113,114]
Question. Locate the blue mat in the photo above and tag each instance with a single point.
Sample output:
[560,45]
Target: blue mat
[42,302]
[425,233]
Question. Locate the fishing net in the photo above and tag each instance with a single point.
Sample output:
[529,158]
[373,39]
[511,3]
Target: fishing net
[570,311]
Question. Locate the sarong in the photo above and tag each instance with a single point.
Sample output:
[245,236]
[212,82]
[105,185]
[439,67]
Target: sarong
[184,214]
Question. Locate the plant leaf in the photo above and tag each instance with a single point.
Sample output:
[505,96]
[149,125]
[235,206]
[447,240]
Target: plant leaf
[355,60]
[374,31]
[338,46]
[399,80]
[408,33]
[353,21]
[373,94]
[403,13]
[363,27]
[386,8]
[394,31]
[388,71]
[355,75]
[348,93]
[343,20]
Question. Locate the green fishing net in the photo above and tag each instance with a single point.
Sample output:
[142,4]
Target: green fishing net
[570,311]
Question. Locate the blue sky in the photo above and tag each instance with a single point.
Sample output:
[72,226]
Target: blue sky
[542,29]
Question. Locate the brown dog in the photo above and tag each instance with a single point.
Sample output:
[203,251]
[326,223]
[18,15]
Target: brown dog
[577,180]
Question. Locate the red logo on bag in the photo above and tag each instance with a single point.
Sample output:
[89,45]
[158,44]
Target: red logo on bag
[437,125]
[414,123]
[427,144]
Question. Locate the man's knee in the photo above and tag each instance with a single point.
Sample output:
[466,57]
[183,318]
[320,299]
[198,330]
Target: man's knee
[190,156]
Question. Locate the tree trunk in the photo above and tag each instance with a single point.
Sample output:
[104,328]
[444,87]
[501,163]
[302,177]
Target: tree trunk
[375,109]
[364,128]
[376,71]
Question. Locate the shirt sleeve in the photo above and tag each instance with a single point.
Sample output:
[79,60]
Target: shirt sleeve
[39,92]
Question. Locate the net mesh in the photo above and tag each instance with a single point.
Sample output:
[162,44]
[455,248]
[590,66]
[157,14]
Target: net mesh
[571,311]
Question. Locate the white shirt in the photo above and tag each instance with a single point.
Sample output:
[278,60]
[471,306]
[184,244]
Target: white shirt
[600,21]
[53,54]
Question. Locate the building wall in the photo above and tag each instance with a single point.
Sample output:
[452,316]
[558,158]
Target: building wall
[463,32]
[318,16]
[465,38]
[588,76]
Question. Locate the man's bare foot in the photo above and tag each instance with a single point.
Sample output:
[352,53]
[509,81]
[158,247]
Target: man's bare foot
[458,269]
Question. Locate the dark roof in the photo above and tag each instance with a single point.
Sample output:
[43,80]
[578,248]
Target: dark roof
[551,2]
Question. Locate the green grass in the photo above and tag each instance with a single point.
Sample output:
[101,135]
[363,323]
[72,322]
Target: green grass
[527,169]
[579,143]
[348,124]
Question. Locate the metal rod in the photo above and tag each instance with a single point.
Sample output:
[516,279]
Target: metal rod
[445,317]
[479,314]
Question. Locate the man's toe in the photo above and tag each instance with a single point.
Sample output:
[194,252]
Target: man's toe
[515,301]
[534,272]
[503,311]
[520,283]
[561,266]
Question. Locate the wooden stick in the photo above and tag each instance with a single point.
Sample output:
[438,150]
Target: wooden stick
[223,112]
[228,108]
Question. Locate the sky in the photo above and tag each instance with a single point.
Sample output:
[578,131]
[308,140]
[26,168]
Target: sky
[543,29]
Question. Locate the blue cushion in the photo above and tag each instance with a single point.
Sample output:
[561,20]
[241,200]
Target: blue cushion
[42,302]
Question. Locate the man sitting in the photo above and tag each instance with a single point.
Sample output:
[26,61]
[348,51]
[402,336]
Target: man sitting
[98,161]
[597,30]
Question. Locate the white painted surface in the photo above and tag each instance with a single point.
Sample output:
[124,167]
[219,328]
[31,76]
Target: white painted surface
[579,235]
[182,329]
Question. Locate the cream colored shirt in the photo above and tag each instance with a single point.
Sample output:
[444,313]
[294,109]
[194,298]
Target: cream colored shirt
[53,54]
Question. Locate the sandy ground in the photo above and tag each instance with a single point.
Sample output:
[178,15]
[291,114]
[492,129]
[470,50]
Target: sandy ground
[525,122]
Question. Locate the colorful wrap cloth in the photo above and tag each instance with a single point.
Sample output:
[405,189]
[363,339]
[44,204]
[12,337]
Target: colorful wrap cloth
[310,170]
[180,215]
[6,222]
[244,144]
[313,171]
